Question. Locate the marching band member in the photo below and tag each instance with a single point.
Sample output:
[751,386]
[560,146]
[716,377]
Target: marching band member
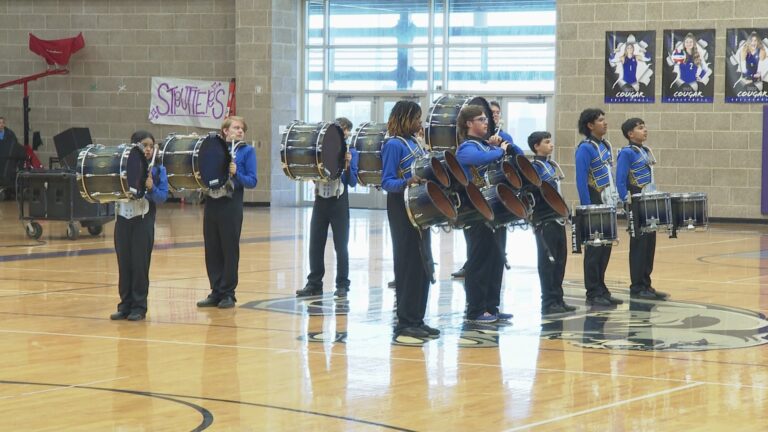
[484,268]
[331,207]
[593,176]
[411,247]
[135,237]
[223,218]
[496,139]
[633,174]
[550,235]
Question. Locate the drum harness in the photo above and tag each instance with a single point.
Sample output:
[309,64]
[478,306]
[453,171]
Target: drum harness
[130,208]
[427,263]
[650,162]
[559,176]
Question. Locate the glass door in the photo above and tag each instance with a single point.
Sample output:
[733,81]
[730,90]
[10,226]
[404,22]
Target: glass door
[523,115]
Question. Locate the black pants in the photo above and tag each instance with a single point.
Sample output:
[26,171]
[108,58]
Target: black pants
[596,261]
[641,252]
[412,255]
[333,212]
[134,239]
[484,269]
[222,223]
[550,240]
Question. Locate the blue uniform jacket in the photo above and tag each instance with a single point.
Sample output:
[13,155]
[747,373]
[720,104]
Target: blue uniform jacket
[349,177]
[546,170]
[592,166]
[632,167]
[159,192]
[477,153]
[396,160]
[245,160]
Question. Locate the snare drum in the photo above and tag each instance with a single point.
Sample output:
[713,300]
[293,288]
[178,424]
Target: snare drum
[195,162]
[442,133]
[313,151]
[106,174]
[652,211]
[689,210]
[427,205]
[596,224]
[506,206]
[367,140]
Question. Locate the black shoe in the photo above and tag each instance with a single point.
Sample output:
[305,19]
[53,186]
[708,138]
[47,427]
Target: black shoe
[433,332]
[208,302]
[660,294]
[308,291]
[341,292]
[553,310]
[118,316]
[646,295]
[614,300]
[567,307]
[417,332]
[459,274]
[135,316]
[391,284]
[226,303]
[599,301]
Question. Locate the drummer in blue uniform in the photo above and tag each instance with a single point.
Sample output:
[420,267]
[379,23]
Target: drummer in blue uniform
[486,248]
[331,207]
[497,138]
[411,247]
[593,177]
[223,217]
[135,236]
[634,175]
[551,240]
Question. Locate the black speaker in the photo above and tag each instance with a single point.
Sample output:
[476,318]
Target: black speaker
[68,144]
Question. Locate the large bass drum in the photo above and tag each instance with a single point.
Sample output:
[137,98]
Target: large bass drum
[196,162]
[442,133]
[367,140]
[313,151]
[106,174]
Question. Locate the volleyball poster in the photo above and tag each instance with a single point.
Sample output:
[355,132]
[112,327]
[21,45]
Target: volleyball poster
[746,68]
[688,66]
[629,66]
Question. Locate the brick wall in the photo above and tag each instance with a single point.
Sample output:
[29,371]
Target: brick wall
[130,41]
[713,148]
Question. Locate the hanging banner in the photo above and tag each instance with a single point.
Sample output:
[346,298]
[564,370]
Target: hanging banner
[687,74]
[629,66]
[746,68]
[184,102]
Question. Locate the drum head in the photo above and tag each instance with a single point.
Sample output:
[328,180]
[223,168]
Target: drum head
[213,160]
[136,171]
[554,199]
[333,149]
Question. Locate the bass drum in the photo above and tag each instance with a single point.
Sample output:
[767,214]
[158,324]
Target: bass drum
[367,140]
[106,174]
[442,133]
[313,151]
[195,162]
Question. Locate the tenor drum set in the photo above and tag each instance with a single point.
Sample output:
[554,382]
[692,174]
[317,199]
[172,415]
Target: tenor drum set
[118,173]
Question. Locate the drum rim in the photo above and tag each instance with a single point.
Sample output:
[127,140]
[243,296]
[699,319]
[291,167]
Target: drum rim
[589,207]
[549,192]
[472,189]
[654,194]
[687,196]
[284,149]
[123,159]
[196,161]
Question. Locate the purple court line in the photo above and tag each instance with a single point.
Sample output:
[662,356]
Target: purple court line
[101,251]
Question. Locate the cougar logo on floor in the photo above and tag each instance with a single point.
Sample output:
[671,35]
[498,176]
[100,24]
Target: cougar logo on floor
[668,326]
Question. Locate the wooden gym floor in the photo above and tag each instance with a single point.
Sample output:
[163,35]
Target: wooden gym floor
[697,362]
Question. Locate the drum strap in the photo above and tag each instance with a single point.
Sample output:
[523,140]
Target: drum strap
[133,208]
[414,154]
